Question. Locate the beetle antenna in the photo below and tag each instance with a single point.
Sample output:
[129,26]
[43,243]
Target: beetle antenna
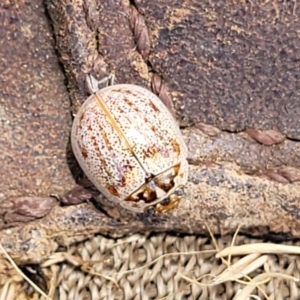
[94,85]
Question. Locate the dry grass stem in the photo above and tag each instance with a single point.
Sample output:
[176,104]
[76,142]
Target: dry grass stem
[241,268]
[34,286]
[246,265]
[246,291]
[259,248]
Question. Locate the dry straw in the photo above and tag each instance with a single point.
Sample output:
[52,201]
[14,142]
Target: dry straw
[253,258]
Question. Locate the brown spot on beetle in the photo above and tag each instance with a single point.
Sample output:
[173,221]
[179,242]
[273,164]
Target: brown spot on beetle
[154,107]
[81,117]
[151,151]
[153,128]
[127,91]
[94,141]
[83,151]
[107,142]
[166,180]
[144,193]
[127,101]
[112,190]
[176,147]
[123,181]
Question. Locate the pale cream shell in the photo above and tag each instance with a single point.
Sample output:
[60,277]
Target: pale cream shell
[145,127]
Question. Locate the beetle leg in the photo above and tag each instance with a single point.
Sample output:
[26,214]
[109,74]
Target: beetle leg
[94,85]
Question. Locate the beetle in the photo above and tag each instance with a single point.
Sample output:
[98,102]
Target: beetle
[130,147]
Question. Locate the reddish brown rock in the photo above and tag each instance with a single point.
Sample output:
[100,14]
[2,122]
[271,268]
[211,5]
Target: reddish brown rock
[34,105]
[231,64]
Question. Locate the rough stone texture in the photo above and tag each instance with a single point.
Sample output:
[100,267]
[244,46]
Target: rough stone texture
[233,64]
[34,105]
[218,196]
[209,65]
[86,46]
[240,149]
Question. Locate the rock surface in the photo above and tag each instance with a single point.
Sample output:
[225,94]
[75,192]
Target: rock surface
[34,105]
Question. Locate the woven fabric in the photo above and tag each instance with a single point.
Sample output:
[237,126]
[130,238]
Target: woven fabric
[153,267]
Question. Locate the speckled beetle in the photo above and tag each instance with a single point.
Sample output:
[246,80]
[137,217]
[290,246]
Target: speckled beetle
[130,147]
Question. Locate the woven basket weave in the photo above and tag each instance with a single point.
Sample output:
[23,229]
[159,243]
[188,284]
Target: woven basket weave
[142,272]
